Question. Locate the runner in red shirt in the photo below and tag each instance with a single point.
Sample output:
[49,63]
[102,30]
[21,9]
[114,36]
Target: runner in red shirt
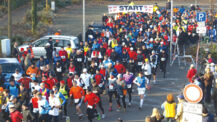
[63,54]
[120,67]
[25,81]
[69,80]
[15,115]
[91,99]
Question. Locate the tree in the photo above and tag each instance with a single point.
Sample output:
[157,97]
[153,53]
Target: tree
[9,19]
[34,15]
[47,5]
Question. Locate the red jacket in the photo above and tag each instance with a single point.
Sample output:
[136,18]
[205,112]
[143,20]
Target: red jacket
[103,72]
[108,52]
[25,81]
[191,73]
[120,68]
[98,78]
[91,99]
[16,116]
[132,55]
[52,82]
[69,82]
[63,54]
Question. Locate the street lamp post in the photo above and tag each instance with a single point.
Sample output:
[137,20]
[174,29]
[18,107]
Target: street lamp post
[171,29]
[83,21]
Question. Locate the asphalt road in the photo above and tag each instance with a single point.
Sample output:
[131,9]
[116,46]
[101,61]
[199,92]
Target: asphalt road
[173,83]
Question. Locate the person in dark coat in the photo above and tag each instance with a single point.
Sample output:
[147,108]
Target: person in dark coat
[49,52]
[182,40]
[15,50]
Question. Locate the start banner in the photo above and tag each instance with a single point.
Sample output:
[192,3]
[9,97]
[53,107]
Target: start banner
[112,9]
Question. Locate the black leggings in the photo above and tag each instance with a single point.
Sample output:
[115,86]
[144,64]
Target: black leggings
[111,93]
[91,113]
[129,91]
[100,104]
[123,100]
[65,107]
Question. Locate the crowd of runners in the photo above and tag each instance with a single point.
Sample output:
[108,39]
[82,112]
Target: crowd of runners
[126,54]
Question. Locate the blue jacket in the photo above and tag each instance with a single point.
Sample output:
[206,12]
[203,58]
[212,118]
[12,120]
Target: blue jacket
[14,90]
[118,50]
[43,63]
[56,59]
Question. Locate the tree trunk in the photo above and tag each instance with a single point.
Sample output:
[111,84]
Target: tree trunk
[9,19]
[47,5]
[34,15]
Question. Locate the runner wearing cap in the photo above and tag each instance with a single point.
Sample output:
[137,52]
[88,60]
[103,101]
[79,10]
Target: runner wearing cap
[163,61]
[86,77]
[140,81]
[146,67]
[65,92]
[15,115]
[154,62]
[179,110]
[77,94]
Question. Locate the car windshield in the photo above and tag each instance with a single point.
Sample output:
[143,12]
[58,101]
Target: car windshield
[10,67]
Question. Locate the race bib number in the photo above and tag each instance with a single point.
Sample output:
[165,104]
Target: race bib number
[139,63]
[63,57]
[59,69]
[89,59]
[79,59]
[111,87]
[41,67]
[68,52]
[128,86]
[100,85]
[94,92]
[89,106]
[35,110]
[163,59]
[76,100]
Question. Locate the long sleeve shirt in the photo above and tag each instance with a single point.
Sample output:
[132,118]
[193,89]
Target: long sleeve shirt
[43,106]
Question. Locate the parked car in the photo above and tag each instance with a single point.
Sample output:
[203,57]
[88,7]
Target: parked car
[9,65]
[38,46]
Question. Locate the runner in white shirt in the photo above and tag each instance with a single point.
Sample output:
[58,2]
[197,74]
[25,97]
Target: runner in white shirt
[55,105]
[146,67]
[17,75]
[86,78]
[34,85]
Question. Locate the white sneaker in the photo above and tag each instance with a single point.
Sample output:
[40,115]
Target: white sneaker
[129,104]
[103,116]
[154,81]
